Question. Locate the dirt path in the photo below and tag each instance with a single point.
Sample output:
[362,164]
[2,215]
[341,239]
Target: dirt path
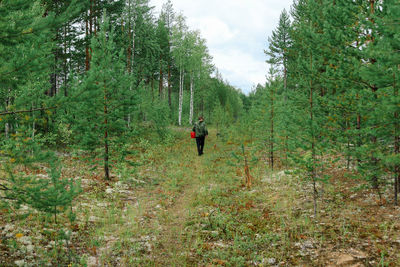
[171,248]
[172,244]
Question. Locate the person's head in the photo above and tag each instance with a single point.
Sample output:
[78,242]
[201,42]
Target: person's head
[201,118]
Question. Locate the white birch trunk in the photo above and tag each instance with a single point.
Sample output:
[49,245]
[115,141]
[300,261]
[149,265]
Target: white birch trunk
[181,80]
[133,48]
[191,99]
[6,129]
[33,129]
[7,126]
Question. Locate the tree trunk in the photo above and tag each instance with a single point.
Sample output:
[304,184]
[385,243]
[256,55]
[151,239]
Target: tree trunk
[53,82]
[169,85]
[106,152]
[358,128]
[95,18]
[91,18]
[284,79]
[191,99]
[129,49]
[6,125]
[160,86]
[313,171]
[65,60]
[152,89]
[181,81]
[271,144]
[348,143]
[396,145]
[87,66]
[374,159]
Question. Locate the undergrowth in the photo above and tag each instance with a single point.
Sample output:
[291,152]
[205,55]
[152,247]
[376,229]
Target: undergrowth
[173,208]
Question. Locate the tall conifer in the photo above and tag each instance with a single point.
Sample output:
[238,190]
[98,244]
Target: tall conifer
[102,98]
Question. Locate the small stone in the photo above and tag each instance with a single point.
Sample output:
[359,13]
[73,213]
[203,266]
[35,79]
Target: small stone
[148,246]
[30,248]
[308,244]
[214,232]
[20,263]
[9,235]
[93,219]
[271,261]
[26,240]
[109,190]
[358,254]
[8,228]
[43,176]
[92,261]
[24,208]
[344,259]
[121,185]
[220,245]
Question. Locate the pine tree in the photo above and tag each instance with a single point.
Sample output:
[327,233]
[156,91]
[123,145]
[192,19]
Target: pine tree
[279,45]
[340,75]
[308,100]
[102,98]
[278,53]
[25,52]
[271,87]
[48,192]
[382,74]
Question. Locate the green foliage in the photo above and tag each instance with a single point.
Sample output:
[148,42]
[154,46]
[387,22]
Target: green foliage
[48,191]
[159,116]
[104,100]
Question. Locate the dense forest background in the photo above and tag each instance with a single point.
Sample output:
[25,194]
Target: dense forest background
[93,73]
[83,77]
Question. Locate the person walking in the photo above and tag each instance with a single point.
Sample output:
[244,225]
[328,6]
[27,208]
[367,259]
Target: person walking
[201,133]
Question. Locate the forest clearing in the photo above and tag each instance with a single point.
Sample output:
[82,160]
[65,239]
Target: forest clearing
[185,210]
[105,106]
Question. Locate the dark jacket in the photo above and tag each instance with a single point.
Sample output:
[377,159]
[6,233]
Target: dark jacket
[200,129]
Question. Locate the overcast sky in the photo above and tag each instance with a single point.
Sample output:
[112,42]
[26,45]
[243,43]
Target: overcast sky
[236,32]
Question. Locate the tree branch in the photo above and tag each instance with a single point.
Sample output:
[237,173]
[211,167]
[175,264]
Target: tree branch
[25,111]
[3,187]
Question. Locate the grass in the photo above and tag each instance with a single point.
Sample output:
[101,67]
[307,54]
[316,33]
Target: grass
[178,209]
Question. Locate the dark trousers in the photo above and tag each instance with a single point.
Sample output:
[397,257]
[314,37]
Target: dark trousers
[200,144]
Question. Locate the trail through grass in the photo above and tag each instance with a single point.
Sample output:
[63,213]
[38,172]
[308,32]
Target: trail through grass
[179,209]
[159,237]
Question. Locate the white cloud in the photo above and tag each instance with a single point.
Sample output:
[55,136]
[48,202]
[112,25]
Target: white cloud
[236,32]
[214,30]
[240,68]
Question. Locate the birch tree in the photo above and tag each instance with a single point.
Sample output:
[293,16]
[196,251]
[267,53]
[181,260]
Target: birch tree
[180,30]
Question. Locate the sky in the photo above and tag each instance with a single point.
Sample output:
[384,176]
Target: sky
[236,32]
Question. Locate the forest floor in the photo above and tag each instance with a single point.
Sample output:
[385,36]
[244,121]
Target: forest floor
[179,209]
